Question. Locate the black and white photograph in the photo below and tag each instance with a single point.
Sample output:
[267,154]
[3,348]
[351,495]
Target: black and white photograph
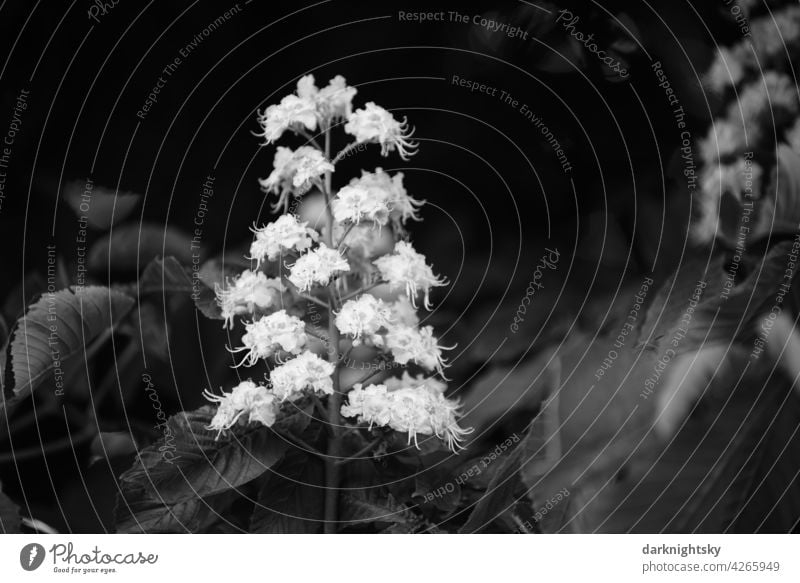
[400,267]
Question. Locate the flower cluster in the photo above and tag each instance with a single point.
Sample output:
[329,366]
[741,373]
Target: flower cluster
[416,408]
[407,269]
[317,267]
[306,372]
[417,345]
[264,337]
[283,235]
[248,292]
[759,108]
[389,190]
[294,172]
[354,204]
[246,402]
[363,318]
[375,124]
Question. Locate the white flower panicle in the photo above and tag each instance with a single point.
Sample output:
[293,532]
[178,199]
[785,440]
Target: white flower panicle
[332,102]
[418,345]
[247,402]
[283,235]
[417,409]
[306,372]
[390,190]
[363,317]
[406,268]
[293,171]
[354,204]
[317,267]
[375,124]
[248,292]
[269,334]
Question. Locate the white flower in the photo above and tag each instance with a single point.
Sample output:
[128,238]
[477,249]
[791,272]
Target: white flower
[363,317]
[407,268]
[416,410]
[403,312]
[370,404]
[332,102]
[317,267]
[246,293]
[248,401]
[283,235]
[354,204]
[418,345]
[292,113]
[294,172]
[390,190]
[265,336]
[375,124]
[307,371]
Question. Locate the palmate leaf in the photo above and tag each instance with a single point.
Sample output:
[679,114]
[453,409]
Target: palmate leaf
[10,520]
[190,463]
[56,330]
[153,517]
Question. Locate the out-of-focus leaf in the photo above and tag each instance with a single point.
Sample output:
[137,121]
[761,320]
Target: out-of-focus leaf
[687,378]
[56,330]
[165,275]
[129,247]
[10,520]
[102,207]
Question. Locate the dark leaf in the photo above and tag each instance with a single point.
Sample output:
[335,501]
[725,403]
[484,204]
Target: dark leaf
[292,497]
[129,247]
[191,461]
[56,330]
